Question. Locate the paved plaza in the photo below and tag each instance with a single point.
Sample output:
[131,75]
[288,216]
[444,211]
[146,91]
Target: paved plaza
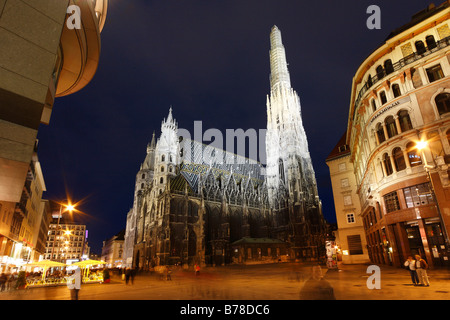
[282,281]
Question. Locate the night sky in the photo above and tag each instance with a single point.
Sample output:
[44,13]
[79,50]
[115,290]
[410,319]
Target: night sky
[209,60]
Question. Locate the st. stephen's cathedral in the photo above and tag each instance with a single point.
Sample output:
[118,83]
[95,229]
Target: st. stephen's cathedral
[196,204]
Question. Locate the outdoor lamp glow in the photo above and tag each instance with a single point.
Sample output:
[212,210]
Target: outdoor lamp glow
[421,145]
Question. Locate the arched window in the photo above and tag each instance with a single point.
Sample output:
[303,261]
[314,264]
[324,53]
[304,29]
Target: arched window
[431,43]
[162,168]
[170,169]
[405,120]
[388,67]
[163,158]
[413,155]
[399,159]
[380,72]
[390,126]
[387,164]
[281,169]
[443,103]
[142,186]
[396,90]
[380,133]
[374,105]
[143,176]
[420,47]
[383,97]
[161,180]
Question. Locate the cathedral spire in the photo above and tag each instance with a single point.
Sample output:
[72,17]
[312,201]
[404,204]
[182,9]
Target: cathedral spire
[278,64]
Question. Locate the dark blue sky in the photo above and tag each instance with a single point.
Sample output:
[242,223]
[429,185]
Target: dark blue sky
[210,61]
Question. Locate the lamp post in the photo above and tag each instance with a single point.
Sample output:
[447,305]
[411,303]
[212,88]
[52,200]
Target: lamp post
[421,145]
[69,207]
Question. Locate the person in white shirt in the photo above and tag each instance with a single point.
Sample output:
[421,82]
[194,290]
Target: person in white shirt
[74,283]
[411,265]
[421,268]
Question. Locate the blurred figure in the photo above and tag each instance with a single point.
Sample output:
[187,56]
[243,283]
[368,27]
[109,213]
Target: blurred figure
[197,269]
[411,265]
[317,288]
[127,275]
[74,283]
[3,280]
[421,268]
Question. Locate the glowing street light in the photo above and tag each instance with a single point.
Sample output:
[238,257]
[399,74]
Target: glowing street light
[68,207]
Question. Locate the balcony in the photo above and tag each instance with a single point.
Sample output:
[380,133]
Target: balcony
[441,44]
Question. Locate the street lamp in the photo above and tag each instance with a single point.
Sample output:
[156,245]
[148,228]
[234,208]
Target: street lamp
[421,145]
[68,207]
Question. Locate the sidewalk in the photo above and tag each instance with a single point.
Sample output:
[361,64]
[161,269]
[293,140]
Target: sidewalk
[350,283]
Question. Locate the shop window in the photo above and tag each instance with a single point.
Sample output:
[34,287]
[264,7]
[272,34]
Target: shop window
[443,103]
[418,195]
[391,202]
[413,155]
[405,120]
[399,159]
[435,73]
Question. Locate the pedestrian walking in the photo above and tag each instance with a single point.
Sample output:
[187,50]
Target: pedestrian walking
[316,287]
[421,268]
[168,272]
[74,283]
[3,280]
[410,264]
[127,275]
[197,269]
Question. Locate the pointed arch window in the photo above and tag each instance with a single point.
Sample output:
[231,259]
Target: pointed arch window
[443,103]
[163,158]
[399,159]
[281,169]
[413,155]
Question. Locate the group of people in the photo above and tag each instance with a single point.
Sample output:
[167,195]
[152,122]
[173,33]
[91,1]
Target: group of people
[6,281]
[418,270]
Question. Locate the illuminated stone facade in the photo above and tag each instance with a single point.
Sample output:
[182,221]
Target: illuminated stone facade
[200,204]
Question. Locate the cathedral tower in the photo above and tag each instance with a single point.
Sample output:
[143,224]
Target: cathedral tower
[290,175]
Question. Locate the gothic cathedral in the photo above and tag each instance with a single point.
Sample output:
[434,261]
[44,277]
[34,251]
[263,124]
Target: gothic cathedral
[197,204]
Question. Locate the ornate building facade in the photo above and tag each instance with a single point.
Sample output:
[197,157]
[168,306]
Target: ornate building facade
[398,137]
[196,203]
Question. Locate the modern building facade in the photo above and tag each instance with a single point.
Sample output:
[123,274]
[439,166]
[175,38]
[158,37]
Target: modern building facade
[196,203]
[67,239]
[49,49]
[398,135]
